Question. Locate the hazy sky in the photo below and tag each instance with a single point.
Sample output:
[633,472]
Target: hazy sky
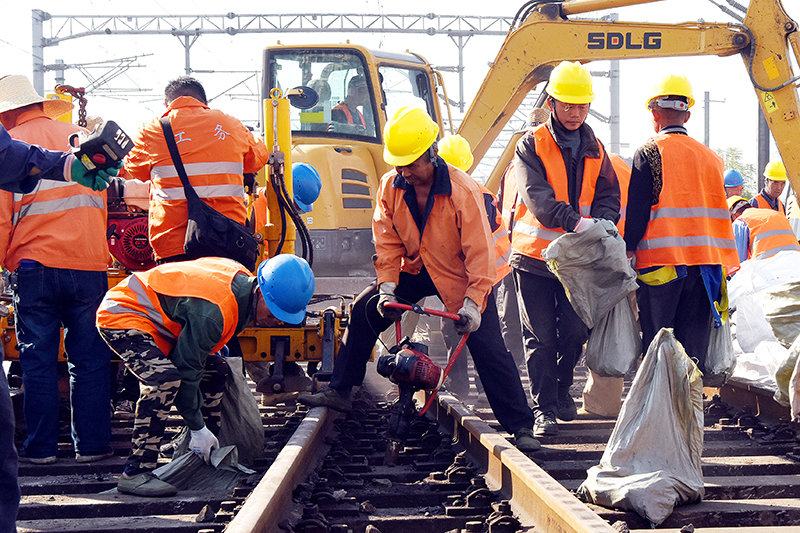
[733,114]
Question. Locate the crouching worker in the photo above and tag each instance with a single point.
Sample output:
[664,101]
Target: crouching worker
[166,325]
[432,237]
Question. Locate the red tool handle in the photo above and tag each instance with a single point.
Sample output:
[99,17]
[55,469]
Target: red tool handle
[424,310]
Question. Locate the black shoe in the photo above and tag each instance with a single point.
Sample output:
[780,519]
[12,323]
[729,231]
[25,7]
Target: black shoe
[326,398]
[545,424]
[523,439]
[566,408]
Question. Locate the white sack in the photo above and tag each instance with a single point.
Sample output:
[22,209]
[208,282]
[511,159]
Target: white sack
[794,392]
[720,359]
[614,344]
[750,323]
[602,396]
[593,268]
[785,371]
[758,367]
[781,305]
[652,460]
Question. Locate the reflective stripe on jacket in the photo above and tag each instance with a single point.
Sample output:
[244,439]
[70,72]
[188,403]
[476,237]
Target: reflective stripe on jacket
[502,243]
[134,302]
[455,246]
[770,233]
[761,203]
[623,172]
[59,224]
[690,224]
[529,236]
[216,149]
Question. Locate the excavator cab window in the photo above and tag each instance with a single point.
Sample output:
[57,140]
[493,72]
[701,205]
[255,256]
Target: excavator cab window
[346,106]
[404,87]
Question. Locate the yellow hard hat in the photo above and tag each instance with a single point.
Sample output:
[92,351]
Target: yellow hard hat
[775,171]
[455,150]
[571,83]
[734,200]
[672,85]
[407,135]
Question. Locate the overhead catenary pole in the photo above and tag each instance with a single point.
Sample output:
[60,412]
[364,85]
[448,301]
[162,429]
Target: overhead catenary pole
[763,147]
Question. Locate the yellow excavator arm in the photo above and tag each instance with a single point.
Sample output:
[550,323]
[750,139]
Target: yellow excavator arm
[546,37]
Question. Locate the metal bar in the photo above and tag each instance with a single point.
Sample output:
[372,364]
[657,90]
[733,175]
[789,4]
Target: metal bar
[584,6]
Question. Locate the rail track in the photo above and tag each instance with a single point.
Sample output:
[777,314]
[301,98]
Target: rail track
[326,472]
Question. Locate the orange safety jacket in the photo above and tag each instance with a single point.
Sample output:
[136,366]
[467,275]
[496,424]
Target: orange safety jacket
[770,233]
[690,224]
[455,246]
[761,203]
[216,150]
[349,115]
[623,172]
[529,237]
[134,303]
[59,224]
[502,244]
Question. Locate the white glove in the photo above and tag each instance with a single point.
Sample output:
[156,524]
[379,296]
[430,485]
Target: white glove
[583,224]
[471,314]
[202,442]
[387,295]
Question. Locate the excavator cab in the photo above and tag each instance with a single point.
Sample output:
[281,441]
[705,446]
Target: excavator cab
[341,136]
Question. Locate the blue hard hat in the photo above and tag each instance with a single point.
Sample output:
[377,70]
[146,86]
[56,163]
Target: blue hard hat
[733,178]
[306,185]
[287,284]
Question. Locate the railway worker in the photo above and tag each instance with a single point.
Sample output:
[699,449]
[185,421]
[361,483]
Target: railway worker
[680,265]
[565,181]
[166,325]
[216,149]
[734,183]
[432,237]
[774,182]
[59,280]
[759,233]
[346,117]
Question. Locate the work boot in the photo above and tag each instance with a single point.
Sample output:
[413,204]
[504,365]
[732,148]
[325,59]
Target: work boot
[145,484]
[566,408]
[545,424]
[327,397]
[92,457]
[124,410]
[523,439]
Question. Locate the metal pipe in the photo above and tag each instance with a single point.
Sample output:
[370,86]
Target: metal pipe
[584,6]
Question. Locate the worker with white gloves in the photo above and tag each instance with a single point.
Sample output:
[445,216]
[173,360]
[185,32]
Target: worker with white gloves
[203,442]
[432,237]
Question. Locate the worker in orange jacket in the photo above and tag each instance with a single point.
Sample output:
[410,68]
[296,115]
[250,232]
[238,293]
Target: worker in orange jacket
[432,237]
[774,183]
[678,227]
[216,150]
[167,324]
[760,233]
[53,241]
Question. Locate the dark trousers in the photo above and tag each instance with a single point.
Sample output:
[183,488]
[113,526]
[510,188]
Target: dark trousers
[681,305]
[494,364]
[9,488]
[553,335]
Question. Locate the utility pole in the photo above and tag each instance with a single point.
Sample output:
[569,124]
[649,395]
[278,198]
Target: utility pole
[763,147]
[707,113]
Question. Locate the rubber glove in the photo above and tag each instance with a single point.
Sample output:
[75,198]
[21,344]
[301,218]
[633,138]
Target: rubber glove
[387,295]
[202,442]
[471,317]
[97,180]
[583,224]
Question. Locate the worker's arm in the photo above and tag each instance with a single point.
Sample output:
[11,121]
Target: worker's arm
[257,154]
[202,326]
[139,161]
[477,244]
[741,234]
[389,247]
[605,203]
[536,192]
[23,165]
[6,227]
[640,199]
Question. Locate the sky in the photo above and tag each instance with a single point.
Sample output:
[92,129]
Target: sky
[136,95]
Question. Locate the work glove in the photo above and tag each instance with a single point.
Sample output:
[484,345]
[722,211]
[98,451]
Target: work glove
[387,295]
[97,180]
[583,224]
[470,317]
[202,442]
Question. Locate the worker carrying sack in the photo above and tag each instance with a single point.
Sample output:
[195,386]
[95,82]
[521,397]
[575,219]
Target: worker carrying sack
[615,344]
[209,233]
[652,460]
[720,359]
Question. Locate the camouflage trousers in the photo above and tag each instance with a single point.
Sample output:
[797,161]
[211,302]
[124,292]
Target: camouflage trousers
[159,382]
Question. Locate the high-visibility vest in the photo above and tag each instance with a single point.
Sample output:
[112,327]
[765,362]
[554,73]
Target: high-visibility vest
[762,203]
[134,303]
[502,245]
[690,224]
[529,237]
[623,172]
[770,233]
[349,116]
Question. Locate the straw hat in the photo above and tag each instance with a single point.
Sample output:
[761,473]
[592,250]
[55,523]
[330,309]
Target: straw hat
[16,91]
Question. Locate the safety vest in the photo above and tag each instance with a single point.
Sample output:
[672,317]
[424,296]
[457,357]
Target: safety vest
[770,233]
[623,172]
[502,244]
[529,237]
[762,203]
[690,224]
[349,116]
[134,303]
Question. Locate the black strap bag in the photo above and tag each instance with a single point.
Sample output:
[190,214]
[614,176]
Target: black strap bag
[209,233]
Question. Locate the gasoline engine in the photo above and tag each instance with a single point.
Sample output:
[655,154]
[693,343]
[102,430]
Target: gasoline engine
[126,232]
